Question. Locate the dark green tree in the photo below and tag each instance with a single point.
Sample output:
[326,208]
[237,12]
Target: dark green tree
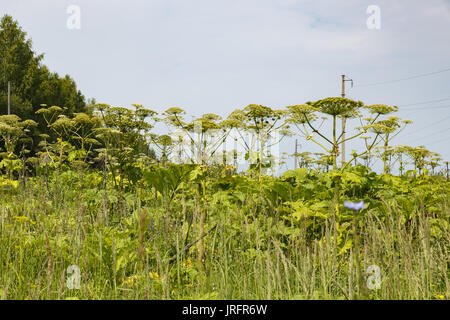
[32,84]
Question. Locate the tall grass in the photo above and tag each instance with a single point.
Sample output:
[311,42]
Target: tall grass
[247,256]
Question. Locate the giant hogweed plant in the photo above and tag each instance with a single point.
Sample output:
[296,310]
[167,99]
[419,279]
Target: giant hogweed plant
[387,130]
[14,133]
[305,117]
[74,138]
[421,157]
[267,127]
[203,136]
[59,125]
[123,133]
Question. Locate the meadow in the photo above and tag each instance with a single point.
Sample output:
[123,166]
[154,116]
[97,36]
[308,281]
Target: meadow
[95,213]
[113,202]
[268,239]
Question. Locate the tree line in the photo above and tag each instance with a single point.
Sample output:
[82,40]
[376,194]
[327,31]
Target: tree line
[31,82]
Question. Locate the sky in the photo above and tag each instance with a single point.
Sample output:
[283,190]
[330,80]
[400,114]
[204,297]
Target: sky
[220,55]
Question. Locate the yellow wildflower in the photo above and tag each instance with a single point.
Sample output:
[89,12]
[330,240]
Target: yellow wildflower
[21,218]
[438,296]
[131,280]
[187,263]
[154,276]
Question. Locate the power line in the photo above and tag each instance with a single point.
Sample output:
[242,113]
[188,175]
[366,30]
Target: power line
[423,102]
[435,107]
[434,133]
[403,79]
[414,111]
[440,140]
[431,124]
[423,108]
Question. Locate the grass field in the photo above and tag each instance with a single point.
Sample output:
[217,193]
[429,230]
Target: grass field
[256,246]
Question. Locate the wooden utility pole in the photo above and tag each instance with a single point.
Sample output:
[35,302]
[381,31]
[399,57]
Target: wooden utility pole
[343,123]
[344,119]
[9,97]
[446,162]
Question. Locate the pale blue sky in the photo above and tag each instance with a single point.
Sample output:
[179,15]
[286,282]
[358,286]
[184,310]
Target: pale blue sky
[219,55]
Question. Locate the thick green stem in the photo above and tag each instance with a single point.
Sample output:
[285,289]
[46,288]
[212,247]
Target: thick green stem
[386,141]
[201,226]
[359,276]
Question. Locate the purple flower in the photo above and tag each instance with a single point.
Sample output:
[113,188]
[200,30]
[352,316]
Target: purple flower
[355,205]
[151,227]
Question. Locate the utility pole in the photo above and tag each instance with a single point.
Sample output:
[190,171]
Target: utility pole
[344,119]
[296,152]
[9,97]
[446,162]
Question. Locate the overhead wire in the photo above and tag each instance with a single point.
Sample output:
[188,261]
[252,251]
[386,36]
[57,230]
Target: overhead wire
[424,102]
[429,125]
[432,134]
[445,139]
[403,79]
[415,107]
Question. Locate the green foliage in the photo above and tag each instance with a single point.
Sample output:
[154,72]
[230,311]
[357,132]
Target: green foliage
[260,223]
[168,180]
[32,82]
[99,178]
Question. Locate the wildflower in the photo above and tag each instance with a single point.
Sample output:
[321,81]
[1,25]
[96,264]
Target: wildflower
[154,276]
[187,263]
[21,218]
[151,227]
[131,280]
[355,205]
